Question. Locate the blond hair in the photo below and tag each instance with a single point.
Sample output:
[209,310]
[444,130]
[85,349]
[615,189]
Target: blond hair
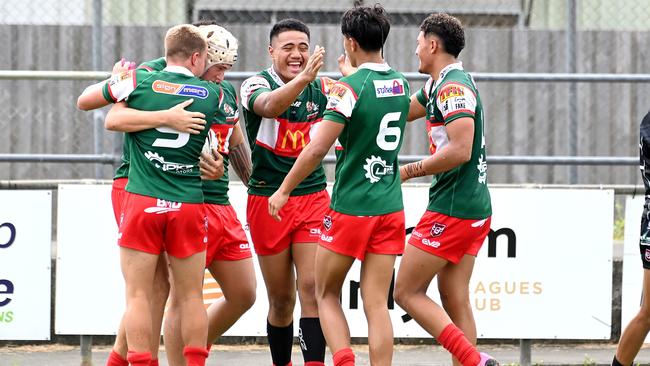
[182,41]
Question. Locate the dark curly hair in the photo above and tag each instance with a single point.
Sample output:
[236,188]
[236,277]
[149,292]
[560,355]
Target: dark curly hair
[368,25]
[448,29]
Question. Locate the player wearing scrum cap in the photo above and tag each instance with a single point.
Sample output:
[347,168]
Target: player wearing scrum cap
[228,255]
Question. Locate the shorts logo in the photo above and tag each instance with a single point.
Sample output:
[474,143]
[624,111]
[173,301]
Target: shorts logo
[165,87]
[647,255]
[326,238]
[245,246]
[388,88]
[164,206]
[431,243]
[327,222]
[376,168]
[437,229]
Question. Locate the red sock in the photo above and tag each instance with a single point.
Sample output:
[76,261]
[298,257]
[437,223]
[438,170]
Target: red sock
[314,363]
[454,340]
[343,357]
[154,362]
[195,356]
[114,359]
[139,358]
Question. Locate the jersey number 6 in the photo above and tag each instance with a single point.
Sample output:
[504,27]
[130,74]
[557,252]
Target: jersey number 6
[385,131]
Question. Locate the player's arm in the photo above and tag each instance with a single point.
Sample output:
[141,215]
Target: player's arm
[240,155]
[92,97]
[459,150]
[273,103]
[308,160]
[416,109]
[125,119]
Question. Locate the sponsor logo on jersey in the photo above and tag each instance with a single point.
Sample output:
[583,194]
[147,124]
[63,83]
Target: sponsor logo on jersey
[326,238]
[482,170]
[293,135]
[437,229]
[312,107]
[451,91]
[165,87]
[164,206]
[338,91]
[296,104]
[376,168]
[431,243]
[327,222]
[228,109]
[160,163]
[388,88]
[647,255]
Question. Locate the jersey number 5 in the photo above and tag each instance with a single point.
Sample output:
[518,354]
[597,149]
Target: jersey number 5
[385,131]
[181,139]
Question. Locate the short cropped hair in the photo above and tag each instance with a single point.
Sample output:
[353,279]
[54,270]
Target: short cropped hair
[183,40]
[204,21]
[288,24]
[448,29]
[368,25]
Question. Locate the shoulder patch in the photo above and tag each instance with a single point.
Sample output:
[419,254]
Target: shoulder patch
[250,85]
[342,99]
[454,98]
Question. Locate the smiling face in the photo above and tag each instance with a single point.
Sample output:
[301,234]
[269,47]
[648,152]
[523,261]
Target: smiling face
[424,52]
[216,73]
[290,52]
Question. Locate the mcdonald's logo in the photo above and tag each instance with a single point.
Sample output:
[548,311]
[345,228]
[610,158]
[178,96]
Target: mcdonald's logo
[294,139]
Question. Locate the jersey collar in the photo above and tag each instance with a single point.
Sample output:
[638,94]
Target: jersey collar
[374,66]
[179,70]
[275,76]
[455,66]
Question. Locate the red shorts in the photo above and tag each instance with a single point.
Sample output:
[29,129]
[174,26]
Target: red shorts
[301,221]
[117,197]
[355,236]
[450,237]
[227,240]
[151,225]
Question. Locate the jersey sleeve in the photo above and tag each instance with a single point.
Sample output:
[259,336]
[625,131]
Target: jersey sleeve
[455,100]
[325,84]
[340,103]
[251,88]
[119,86]
[154,65]
[422,95]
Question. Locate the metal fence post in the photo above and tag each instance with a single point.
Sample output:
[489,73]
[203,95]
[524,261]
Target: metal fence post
[524,352]
[97,66]
[572,115]
[86,342]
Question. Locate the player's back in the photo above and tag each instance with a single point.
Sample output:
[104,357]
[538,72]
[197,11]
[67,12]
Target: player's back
[373,104]
[163,161]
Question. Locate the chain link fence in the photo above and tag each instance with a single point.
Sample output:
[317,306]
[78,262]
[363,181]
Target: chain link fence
[505,36]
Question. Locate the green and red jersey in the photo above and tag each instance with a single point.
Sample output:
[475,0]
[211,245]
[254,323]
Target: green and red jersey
[214,191]
[462,191]
[163,163]
[373,104]
[277,142]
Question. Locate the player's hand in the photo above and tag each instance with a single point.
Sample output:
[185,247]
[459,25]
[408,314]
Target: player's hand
[276,202]
[314,64]
[184,121]
[122,66]
[211,165]
[344,65]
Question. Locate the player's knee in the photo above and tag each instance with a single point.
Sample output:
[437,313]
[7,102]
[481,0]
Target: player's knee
[282,306]
[246,298]
[453,301]
[307,290]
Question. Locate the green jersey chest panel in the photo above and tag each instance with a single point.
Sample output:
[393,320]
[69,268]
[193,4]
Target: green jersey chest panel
[462,191]
[277,142]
